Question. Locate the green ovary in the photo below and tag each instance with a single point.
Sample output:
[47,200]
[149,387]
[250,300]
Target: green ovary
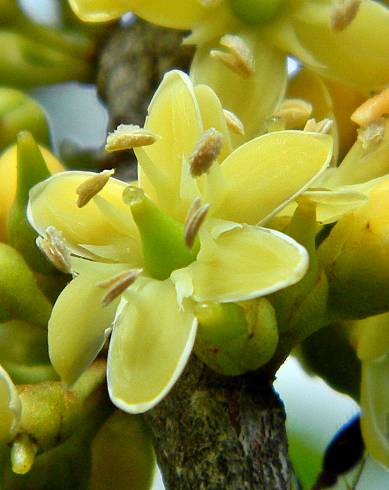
[256,11]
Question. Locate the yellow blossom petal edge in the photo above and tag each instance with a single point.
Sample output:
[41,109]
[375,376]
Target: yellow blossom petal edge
[10,408]
[173,13]
[240,262]
[264,174]
[79,323]
[104,220]
[150,346]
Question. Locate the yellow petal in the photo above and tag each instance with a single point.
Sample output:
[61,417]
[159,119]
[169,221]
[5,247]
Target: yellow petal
[174,115]
[356,55]
[361,165]
[53,203]
[373,338]
[150,346]
[375,408]
[267,172]
[79,324]
[245,262]
[10,408]
[252,99]
[171,13]
[8,177]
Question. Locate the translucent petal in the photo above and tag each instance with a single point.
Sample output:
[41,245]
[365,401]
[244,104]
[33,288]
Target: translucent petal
[245,262]
[373,339]
[356,55]
[375,408]
[267,172]
[150,346]
[171,13]
[252,99]
[79,324]
[53,203]
[10,408]
[174,115]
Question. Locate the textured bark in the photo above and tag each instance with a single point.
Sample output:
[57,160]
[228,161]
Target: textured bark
[214,432]
[211,432]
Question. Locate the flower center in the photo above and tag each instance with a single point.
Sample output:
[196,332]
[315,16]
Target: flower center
[163,238]
[256,11]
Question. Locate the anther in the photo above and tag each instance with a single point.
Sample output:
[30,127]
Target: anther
[128,136]
[324,126]
[238,56]
[372,109]
[294,112]
[194,219]
[372,134]
[55,249]
[343,13]
[205,152]
[117,284]
[92,186]
[233,122]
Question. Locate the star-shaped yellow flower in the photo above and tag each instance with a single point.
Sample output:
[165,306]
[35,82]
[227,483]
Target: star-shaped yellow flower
[243,44]
[143,256]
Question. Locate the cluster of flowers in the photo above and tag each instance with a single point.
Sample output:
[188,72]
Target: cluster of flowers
[259,219]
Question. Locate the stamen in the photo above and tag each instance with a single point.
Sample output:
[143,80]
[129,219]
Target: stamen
[205,152]
[343,13]
[372,134]
[128,136]
[55,249]
[295,113]
[233,122]
[194,219]
[92,186]
[238,57]
[324,126]
[117,284]
[372,109]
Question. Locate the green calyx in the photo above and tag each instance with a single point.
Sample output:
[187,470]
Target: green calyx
[164,247]
[233,339]
[256,11]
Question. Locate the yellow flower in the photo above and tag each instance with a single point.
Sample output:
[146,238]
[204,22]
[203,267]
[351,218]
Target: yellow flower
[187,234]
[243,44]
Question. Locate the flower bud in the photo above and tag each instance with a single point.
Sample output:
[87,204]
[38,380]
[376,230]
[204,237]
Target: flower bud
[10,408]
[19,112]
[233,339]
[355,257]
[255,11]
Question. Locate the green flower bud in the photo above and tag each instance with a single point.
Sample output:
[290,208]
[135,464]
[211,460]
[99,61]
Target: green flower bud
[19,112]
[356,260]
[31,169]
[20,296]
[233,339]
[301,309]
[164,247]
[24,353]
[122,454]
[256,11]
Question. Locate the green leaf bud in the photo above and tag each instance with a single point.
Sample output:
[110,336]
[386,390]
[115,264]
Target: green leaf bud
[235,338]
[256,11]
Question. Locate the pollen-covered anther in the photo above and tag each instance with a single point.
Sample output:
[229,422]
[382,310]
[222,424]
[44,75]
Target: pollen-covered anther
[128,136]
[92,186]
[294,112]
[117,284]
[324,126]
[372,134]
[194,219]
[55,249]
[372,109]
[343,13]
[233,122]
[238,56]
[206,151]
